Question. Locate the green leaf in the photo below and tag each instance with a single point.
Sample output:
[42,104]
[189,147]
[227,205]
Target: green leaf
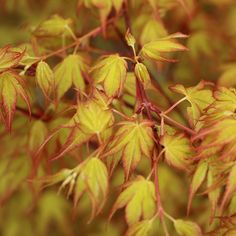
[133,138]
[11,86]
[70,71]
[178,150]
[197,180]
[138,198]
[141,228]
[142,73]
[54,26]
[111,72]
[230,187]
[187,228]
[37,135]
[45,78]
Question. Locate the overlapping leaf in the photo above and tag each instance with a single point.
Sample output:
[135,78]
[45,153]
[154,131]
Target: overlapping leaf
[111,72]
[178,150]
[133,139]
[138,198]
[141,228]
[70,71]
[199,98]
[90,176]
[9,58]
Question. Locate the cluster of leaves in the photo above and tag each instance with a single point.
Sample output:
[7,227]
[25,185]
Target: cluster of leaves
[99,123]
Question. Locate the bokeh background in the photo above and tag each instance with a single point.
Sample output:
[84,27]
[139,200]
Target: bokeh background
[211,26]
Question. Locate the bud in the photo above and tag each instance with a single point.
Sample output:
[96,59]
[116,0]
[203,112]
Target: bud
[142,73]
[130,39]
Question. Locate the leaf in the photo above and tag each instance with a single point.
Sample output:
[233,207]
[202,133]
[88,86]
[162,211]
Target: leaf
[178,150]
[230,187]
[54,26]
[154,49]
[187,228]
[111,72]
[130,40]
[9,58]
[227,79]
[152,30]
[138,198]
[214,194]
[10,89]
[141,228]
[133,138]
[37,135]
[197,180]
[45,78]
[142,73]
[93,116]
[198,97]
[70,71]
[93,178]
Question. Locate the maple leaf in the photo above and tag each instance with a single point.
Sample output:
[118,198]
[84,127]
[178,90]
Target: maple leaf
[70,71]
[9,58]
[198,97]
[90,176]
[138,198]
[11,86]
[187,228]
[155,49]
[178,150]
[133,138]
[228,77]
[111,72]
[54,26]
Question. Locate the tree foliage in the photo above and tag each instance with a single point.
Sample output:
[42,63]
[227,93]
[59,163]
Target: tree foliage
[118,118]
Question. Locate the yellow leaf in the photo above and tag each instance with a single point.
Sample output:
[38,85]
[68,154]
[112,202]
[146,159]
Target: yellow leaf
[9,58]
[93,178]
[153,30]
[54,26]
[230,187]
[141,228]
[154,49]
[187,228]
[138,198]
[93,116]
[178,150]
[133,139]
[45,78]
[70,71]
[198,97]
[111,72]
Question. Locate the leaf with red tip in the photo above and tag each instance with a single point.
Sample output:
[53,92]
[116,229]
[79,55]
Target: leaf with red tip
[9,58]
[10,88]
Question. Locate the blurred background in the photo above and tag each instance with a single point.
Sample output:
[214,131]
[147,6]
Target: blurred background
[211,26]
